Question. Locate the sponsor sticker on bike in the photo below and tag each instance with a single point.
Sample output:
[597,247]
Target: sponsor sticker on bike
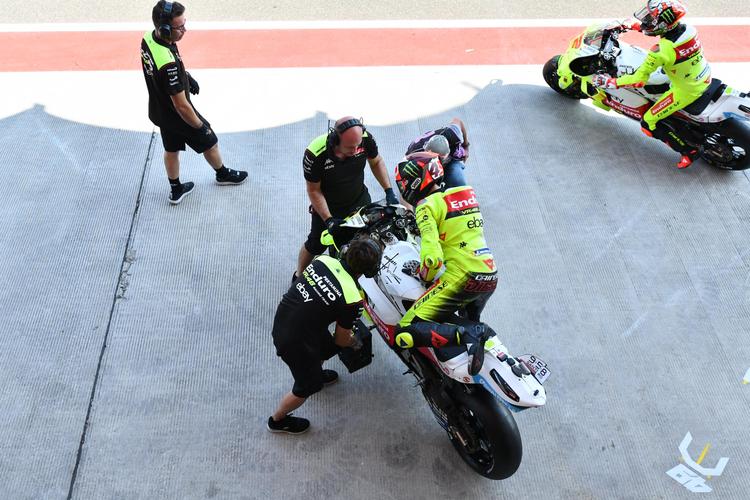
[355,220]
[536,366]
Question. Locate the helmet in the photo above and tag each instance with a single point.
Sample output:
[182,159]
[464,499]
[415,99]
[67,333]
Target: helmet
[438,144]
[660,16]
[417,174]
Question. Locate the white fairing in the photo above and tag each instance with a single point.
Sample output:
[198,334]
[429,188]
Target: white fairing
[385,294]
[385,304]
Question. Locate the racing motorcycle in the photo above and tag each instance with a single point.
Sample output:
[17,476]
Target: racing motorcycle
[715,124]
[471,389]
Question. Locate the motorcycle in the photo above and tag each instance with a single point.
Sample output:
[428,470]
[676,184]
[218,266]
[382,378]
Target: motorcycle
[715,124]
[472,389]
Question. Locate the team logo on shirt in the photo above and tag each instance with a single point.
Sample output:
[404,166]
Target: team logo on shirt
[148,63]
[303,291]
[687,50]
[663,105]
[463,202]
[173,75]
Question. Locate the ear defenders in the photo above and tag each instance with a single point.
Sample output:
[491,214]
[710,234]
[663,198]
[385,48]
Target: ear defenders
[165,20]
[334,133]
[372,271]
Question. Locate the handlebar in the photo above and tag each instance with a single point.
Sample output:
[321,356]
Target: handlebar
[374,219]
[609,42]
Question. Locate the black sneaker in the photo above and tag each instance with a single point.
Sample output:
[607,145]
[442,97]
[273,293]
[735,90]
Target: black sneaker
[288,424]
[175,197]
[231,177]
[330,377]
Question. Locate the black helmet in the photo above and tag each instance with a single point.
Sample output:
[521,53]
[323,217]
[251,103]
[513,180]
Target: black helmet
[417,174]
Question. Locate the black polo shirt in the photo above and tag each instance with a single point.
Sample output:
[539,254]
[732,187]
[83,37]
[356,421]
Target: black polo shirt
[165,76]
[341,181]
[323,294]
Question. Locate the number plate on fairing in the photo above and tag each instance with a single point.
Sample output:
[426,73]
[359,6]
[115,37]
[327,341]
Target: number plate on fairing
[536,366]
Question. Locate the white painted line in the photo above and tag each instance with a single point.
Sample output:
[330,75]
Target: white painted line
[746,379]
[400,24]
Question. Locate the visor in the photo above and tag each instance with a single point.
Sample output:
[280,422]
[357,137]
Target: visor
[644,16]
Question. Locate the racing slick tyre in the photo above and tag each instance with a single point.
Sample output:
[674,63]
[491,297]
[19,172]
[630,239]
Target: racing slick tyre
[489,440]
[727,146]
[551,77]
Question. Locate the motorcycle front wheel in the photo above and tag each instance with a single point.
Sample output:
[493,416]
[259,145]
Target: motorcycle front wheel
[486,435]
[728,146]
[549,72]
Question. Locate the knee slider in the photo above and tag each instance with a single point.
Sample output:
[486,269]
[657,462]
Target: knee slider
[404,340]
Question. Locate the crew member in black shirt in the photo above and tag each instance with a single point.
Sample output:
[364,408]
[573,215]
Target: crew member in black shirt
[169,105]
[325,292]
[334,166]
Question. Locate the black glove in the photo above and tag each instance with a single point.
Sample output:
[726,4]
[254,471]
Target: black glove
[333,222]
[390,197]
[194,87]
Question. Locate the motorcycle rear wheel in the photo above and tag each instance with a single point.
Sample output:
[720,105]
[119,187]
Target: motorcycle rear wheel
[728,147]
[494,450]
[552,78]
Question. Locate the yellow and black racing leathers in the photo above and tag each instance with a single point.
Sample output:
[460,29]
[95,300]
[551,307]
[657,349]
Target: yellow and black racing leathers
[451,227]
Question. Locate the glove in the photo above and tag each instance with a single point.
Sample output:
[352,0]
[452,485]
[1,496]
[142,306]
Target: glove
[604,81]
[333,222]
[194,87]
[390,197]
[430,268]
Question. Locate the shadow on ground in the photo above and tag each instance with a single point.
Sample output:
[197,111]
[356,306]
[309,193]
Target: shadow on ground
[629,277]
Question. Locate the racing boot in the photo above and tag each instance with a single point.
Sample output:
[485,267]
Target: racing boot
[429,334]
[687,159]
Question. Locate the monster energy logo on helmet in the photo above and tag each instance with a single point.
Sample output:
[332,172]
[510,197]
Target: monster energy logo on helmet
[410,169]
[667,15]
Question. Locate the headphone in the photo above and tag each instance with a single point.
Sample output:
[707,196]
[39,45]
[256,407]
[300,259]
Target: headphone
[334,133]
[374,246]
[165,20]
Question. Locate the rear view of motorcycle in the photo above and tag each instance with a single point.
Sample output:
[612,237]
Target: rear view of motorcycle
[715,125]
[473,389]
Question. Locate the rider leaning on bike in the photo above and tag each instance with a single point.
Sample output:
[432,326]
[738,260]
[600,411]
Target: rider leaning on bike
[680,54]
[450,225]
